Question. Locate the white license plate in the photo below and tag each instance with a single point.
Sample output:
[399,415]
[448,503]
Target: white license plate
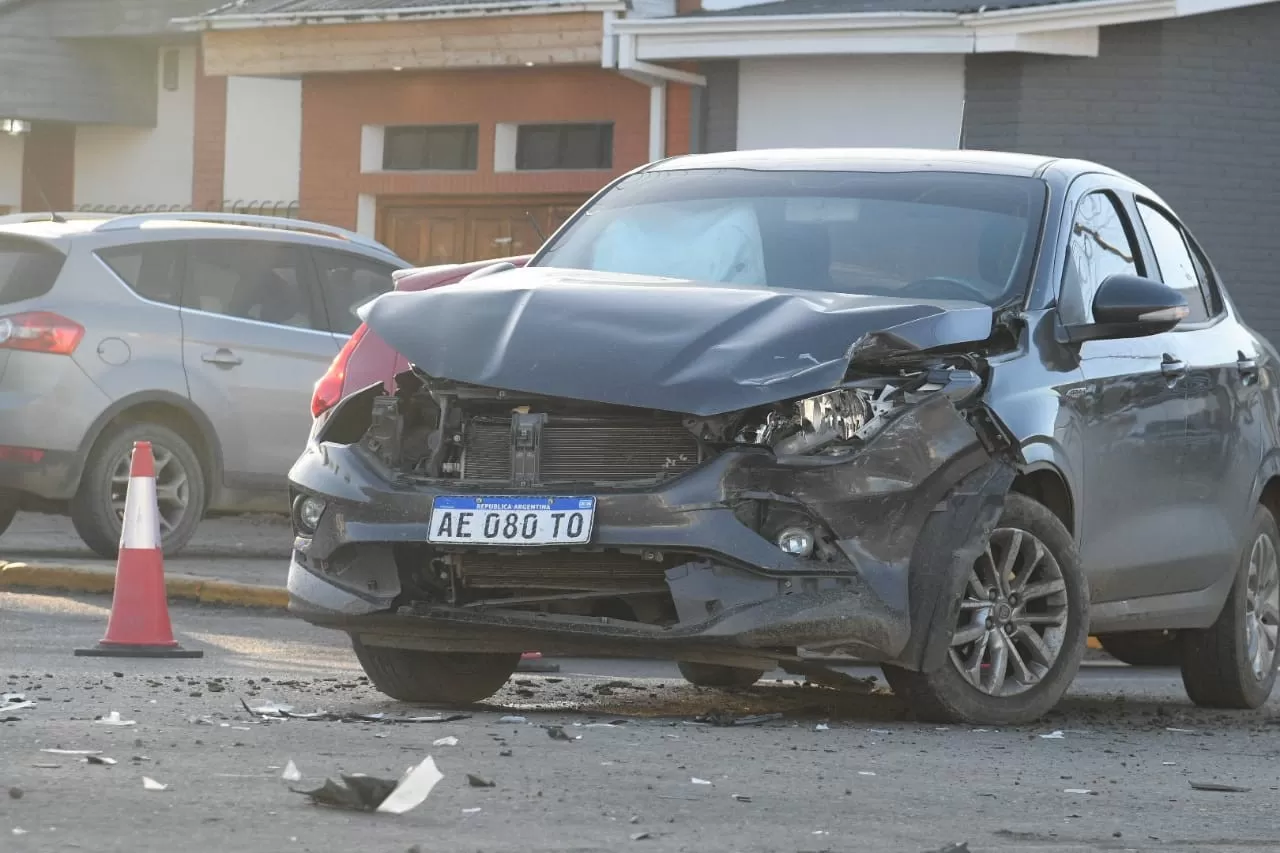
[511,520]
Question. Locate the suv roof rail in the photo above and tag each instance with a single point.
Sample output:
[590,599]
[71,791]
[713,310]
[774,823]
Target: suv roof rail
[46,216]
[136,220]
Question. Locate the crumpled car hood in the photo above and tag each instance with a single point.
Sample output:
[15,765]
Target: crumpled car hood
[667,344]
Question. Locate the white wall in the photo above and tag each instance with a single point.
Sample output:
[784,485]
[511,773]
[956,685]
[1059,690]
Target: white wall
[130,165]
[264,139]
[851,101]
[11,172]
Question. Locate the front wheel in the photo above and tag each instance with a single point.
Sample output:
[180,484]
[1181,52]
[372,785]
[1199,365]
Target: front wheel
[1021,631]
[1232,664]
[435,678]
[716,675]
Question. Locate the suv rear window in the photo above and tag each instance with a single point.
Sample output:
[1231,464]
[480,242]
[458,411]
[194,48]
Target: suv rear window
[27,269]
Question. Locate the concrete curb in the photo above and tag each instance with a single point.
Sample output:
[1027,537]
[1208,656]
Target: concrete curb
[57,578]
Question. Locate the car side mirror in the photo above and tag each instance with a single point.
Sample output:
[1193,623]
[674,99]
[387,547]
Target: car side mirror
[1129,306]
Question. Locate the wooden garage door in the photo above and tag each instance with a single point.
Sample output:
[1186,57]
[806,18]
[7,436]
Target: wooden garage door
[442,231]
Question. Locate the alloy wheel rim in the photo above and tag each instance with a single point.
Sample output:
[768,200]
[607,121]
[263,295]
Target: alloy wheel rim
[1262,607]
[173,489]
[1013,617]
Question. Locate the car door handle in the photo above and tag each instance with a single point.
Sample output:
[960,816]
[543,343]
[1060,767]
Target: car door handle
[222,357]
[1172,368]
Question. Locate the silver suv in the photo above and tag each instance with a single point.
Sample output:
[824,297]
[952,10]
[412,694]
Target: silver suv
[202,333]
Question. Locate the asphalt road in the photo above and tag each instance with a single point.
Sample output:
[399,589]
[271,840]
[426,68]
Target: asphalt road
[871,781]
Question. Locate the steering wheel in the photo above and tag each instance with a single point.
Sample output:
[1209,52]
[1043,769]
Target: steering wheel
[945,287]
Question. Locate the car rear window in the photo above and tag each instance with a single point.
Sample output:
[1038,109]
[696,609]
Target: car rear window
[27,269]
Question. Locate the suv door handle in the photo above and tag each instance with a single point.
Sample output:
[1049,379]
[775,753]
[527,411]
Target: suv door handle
[1172,368]
[222,357]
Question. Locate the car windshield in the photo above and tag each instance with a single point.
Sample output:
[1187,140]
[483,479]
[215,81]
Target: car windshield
[922,235]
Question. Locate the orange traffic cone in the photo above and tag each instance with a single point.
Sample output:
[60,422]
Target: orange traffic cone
[139,622]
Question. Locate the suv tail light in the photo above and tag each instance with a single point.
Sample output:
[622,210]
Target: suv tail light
[329,389]
[40,331]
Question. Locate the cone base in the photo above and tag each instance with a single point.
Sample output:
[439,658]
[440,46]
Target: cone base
[105,650]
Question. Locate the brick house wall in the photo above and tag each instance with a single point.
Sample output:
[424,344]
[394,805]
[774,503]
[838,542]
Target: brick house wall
[209,140]
[336,106]
[1189,106]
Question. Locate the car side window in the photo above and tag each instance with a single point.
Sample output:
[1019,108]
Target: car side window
[151,270]
[251,280]
[1100,245]
[1179,268]
[348,281]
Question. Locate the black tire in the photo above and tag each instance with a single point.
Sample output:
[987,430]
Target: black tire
[92,512]
[1143,648]
[715,675]
[8,510]
[945,695]
[1216,666]
[435,678]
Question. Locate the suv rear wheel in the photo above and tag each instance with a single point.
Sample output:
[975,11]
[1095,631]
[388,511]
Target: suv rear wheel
[1232,664]
[1021,632]
[8,510]
[435,678]
[97,510]
[716,675]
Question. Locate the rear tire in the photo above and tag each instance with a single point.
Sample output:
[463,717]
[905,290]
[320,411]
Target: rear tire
[715,675]
[180,484]
[1143,648]
[1052,595]
[435,678]
[8,511]
[1232,664]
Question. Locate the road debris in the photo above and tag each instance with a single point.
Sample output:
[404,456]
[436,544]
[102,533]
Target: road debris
[15,793]
[370,794]
[471,811]
[1058,735]
[479,781]
[640,836]
[717,717]
[822,727]
[695,780]
[272,711]
[16,706]
[291,772]
[445,741]
[150,784]
[1180,731]
[511,718]
[1076,791]
[866,773]
[114,719]
[73,751]
[1220,788]
[558,733]
[742,798]
[17,830]
[99,759]
[8,698]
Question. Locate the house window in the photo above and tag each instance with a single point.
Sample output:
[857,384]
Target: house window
[169,70]
[443,147]
[564,146]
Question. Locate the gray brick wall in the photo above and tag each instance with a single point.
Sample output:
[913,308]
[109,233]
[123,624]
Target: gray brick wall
[720,106]
[1191,107]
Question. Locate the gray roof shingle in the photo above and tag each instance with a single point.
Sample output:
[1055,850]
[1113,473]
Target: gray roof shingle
[851,7]
[302,8]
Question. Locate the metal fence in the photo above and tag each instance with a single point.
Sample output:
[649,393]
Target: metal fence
[259,208]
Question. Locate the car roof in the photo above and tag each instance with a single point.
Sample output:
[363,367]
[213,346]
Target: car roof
[173,226]
[881,160]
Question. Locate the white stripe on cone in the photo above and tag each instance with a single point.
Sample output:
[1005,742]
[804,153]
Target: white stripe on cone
[141,529]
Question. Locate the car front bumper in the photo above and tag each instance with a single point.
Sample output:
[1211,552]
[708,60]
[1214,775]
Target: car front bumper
[909,513]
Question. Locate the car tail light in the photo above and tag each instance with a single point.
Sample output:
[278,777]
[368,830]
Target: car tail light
[329,389]
[40,331]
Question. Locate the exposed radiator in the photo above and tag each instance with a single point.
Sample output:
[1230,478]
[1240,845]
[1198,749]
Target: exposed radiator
[594,450]
[564,570]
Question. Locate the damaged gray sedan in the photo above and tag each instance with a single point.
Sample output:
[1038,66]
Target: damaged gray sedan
[945,411]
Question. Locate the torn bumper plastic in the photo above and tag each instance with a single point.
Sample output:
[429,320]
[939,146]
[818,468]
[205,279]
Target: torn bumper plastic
[908,514]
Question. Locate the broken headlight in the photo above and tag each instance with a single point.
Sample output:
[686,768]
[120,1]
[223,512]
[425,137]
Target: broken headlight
[815,422]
